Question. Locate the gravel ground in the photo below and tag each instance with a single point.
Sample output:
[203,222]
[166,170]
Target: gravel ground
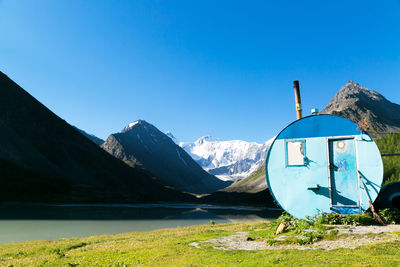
[350,237]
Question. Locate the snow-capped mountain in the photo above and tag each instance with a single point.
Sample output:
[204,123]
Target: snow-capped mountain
[228,160]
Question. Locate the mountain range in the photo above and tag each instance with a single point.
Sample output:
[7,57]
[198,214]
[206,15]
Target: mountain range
[142,144]
[228,160]
[43,158]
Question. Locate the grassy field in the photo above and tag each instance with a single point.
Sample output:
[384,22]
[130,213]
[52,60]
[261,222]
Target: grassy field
[170,247]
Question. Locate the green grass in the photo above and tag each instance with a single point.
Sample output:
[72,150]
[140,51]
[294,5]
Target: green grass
[170,247]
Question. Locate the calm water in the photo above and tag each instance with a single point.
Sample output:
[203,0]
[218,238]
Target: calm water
[49,222]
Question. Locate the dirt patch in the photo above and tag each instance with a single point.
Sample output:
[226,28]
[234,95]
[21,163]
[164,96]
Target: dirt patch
[349,237]
[235,241]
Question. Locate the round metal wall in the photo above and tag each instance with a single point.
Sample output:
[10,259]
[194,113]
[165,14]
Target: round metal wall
[320,164]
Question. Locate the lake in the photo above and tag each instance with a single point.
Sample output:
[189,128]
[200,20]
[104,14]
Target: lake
[53,221]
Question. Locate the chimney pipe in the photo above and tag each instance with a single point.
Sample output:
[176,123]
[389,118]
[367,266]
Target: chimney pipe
[297,99]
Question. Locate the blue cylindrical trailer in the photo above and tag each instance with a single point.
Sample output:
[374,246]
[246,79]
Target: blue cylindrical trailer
[320,164]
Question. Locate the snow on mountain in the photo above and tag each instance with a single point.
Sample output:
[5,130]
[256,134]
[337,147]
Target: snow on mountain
[228,160]
[130,125]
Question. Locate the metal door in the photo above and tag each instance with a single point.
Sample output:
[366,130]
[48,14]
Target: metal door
[343,172]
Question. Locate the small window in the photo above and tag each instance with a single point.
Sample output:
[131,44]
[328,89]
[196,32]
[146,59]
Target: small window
[295,153]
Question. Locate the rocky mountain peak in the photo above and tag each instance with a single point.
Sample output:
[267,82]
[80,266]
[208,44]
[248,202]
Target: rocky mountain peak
[352,83]
[357,103]
[206,138]
[354,90]
[136,124]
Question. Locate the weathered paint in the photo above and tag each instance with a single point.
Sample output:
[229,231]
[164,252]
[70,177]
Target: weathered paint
[344,176]
[328,180]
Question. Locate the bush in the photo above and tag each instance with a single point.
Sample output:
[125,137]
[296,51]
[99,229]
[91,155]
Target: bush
[353,219]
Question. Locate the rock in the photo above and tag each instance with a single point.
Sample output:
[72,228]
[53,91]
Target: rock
[281,228]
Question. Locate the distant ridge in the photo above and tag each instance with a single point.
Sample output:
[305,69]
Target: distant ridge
[91,137]
[358,103]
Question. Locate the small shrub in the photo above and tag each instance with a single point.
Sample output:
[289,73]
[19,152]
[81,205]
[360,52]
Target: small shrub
[285,217]
[59,252]
[337,219]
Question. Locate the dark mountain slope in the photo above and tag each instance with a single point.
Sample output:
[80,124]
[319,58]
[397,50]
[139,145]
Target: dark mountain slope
[140,143]
[36,145]
[358,103]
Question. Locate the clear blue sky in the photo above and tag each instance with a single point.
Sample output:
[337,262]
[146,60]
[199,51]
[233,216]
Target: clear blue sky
[223,68]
